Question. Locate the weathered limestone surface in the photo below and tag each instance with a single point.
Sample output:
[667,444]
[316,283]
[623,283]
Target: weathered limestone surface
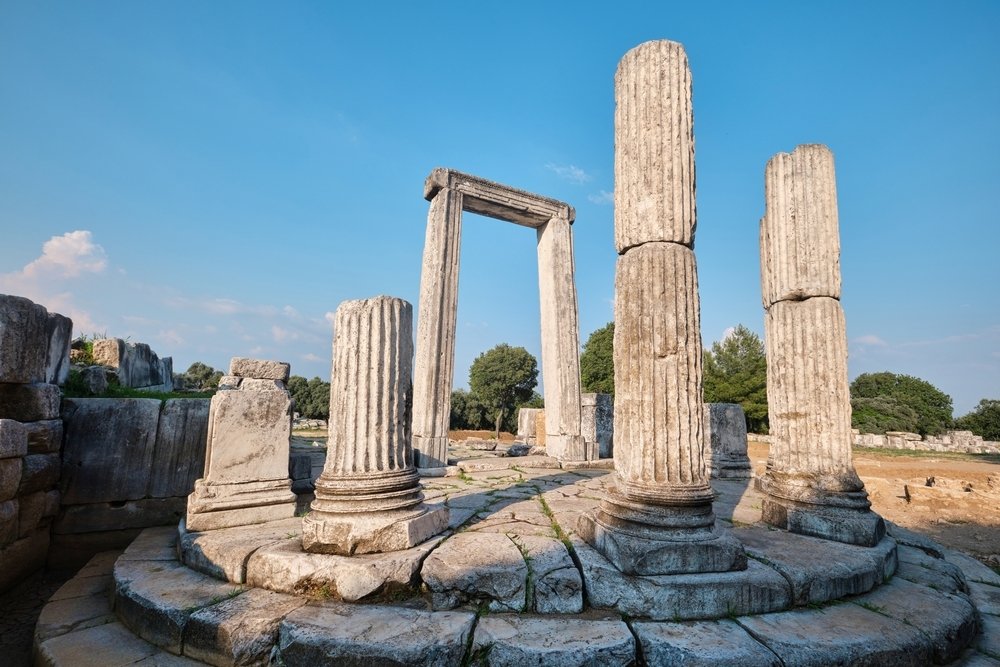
[799,233]
[368,499]
[23,340]
[560,341]
[526,418]
[224,553]
[180,446]
[29,402]
[477,567]
[10,477]
[702,644]
[598,423]
[434,364]
[810,482]
[137,365]
[334,633]
[259,369]
[726,440]
[59,331]
[246,458]
[13,439]
[108,452]
[119,515]
[514,641]
[44,437]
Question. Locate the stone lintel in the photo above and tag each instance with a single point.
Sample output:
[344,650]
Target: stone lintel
[496,200]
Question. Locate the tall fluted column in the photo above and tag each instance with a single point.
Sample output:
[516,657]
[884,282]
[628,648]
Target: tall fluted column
[658,517]
[368,498]
[560,342]
[434,365]
[810,482]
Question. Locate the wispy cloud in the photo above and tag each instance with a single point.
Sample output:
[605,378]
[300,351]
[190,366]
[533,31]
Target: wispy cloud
[602,197]
[870,340]
[569,172]
[311,357]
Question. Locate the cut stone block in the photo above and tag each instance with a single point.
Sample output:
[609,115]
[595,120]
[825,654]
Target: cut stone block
[985,597]
[108,455]
[29,402]
[59,331]
[85,585]
[989,639]
[332,633]
[558,588]
[224,553]
[726,439]
[155,598]
[179,450]
[948,621]
[136,364]
[702,644]
[972,568]
[13,439]
[44,437]
[61,616]
[23,340]
[756,590]
[477,567]
[108,645]
[10,477]
[284,567]
[526,419]
[259,369]
[40,472]
[597,419]
[514,641]
[120,515]
[239,631]
[917,566]
[153,544]
[842,570]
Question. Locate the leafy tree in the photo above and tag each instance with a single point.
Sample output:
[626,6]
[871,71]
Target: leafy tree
[467,412]
[503,377]
[901,395]
[201,376]
[881,414]
[312,397]
[597,362]
[984,420]
[735,371]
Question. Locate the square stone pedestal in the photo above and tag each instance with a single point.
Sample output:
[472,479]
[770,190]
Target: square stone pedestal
[351,533]
[213,506]
[840,524]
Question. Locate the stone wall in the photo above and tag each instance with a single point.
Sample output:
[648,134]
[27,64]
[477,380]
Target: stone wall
[127,464]
[951,441]
[34,356]
[136,364]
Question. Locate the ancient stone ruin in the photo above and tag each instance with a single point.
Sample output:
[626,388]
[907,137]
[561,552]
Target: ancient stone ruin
[666,554]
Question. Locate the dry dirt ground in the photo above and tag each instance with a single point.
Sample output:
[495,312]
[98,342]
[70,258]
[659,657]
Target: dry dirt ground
[961,510]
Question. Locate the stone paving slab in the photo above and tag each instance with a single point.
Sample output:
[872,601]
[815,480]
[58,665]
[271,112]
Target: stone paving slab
[985,597]
[153,544]
[224,553]
[918,566]
[557,587]
[285,568]
[515,641]
[61,616]
[756,590]
[989,638]
[701,644]
[476,567]
[335,633]
[108,645]
[972,568]
[155,599]
[840,634]
[843,570]
[239,631]
[948,621]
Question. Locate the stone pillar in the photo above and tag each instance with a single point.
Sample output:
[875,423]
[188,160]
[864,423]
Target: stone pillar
[434,364]
[368,499]
[526,419]
[597,423]
[560,341]
[246,458]
[657,518]
[726,441]
[810,484]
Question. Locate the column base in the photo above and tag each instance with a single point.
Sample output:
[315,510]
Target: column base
[569,447]
[732,469]
[430,452]
[213,506]
[860,527]
[351,533]
[659,539]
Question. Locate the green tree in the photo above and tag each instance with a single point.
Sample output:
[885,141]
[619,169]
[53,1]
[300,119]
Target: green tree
[735,371]
[467,412]
[202,376]
[312,397]
[906,401]
[597,362]
[984,420]
[503,377]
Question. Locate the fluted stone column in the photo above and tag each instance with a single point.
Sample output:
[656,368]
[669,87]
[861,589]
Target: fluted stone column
[368,498]
[726,441]
[810,484]
[560,342]
[434,365]
[657,518]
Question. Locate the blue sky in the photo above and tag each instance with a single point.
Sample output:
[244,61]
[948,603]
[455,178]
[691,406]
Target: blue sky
[215,178]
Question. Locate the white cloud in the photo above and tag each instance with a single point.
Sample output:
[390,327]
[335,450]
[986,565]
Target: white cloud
[330,317]
[871,340]
[281,334]
[311,357]
[602,197]
[729,331]
[170,336]
[569,172]
[68,255]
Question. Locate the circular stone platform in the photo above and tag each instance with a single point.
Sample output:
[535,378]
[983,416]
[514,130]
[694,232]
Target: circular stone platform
[511,584]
